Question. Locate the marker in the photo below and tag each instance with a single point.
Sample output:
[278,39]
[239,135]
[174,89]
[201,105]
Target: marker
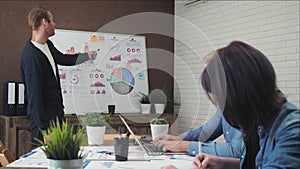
[127,134]
[119,133]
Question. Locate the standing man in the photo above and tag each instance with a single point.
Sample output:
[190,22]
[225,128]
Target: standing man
[40,73]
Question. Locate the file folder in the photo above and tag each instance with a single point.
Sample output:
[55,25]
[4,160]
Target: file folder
[9,98]
[21,103]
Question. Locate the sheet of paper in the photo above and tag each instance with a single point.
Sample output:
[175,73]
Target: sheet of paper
[117,165]
[134,153]
[35,154]
[180,163]
[27,162]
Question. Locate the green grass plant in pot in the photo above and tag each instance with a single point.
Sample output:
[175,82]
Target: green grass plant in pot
[61,147]
[95,126]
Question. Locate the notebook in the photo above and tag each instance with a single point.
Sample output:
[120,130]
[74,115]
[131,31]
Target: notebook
[148,148]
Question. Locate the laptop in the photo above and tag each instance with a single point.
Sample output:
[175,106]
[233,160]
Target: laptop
[148,148]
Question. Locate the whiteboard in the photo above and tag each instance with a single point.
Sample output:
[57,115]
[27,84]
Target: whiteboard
[115,77]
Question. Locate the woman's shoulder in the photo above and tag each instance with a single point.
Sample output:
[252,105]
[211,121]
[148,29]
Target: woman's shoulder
[288,118]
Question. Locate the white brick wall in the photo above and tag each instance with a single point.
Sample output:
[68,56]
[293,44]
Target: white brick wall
[270,26]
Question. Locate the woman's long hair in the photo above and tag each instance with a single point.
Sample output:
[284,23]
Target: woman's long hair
[250,96]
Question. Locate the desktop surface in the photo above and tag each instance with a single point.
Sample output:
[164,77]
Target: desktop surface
[95,158]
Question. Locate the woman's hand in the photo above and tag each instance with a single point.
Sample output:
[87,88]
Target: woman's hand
[168,167]
[206,161]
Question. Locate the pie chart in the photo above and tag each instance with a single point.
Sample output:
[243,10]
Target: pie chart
[122,81]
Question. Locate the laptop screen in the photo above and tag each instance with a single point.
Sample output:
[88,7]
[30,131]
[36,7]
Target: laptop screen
[131,132]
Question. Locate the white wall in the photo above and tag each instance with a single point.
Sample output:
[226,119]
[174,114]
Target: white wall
[270,26]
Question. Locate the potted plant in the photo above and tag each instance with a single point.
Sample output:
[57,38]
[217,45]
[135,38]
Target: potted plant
[95,126]
[159,99]
[159,126]
[62,147]
[145,103]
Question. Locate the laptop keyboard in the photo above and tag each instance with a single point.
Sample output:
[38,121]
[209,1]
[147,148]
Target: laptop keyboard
[152,150]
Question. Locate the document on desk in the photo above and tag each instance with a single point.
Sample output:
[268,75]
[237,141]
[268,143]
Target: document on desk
[35,154]
[135,153]
[27,162]
[179,161]
[117,165]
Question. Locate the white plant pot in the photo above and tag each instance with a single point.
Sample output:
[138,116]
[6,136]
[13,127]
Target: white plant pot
[158,129]
[159,108]
[95,134]
[146,108]
[65,164]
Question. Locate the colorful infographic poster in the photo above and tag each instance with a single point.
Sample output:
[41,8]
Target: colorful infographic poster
[116,76]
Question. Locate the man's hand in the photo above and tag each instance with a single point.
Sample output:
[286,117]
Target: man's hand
[174,146]
[168,138]
[92,55]
[171,143]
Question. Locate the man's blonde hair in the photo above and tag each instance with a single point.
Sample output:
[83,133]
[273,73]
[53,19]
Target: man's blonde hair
[36,15]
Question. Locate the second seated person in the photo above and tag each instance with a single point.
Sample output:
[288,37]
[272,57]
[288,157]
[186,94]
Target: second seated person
[212,129]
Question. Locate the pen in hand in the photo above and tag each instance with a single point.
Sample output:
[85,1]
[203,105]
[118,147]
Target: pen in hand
[199,150]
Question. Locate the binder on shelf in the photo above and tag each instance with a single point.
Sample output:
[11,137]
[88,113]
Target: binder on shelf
[9,98]
[21,103]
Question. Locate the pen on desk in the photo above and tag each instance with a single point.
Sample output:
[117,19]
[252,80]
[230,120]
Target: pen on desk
[106,152]
[85,163]
[28,154]
[119,133]
[178,158]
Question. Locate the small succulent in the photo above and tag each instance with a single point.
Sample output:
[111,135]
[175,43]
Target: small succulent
[96,119]
[159,121]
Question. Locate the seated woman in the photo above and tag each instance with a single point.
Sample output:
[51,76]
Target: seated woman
[250,101]
[241,82]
